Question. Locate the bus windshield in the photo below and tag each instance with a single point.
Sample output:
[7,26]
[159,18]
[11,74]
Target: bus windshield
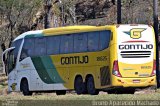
[11,61]
[12,53]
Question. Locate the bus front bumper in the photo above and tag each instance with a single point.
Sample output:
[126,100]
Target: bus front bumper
[133,82]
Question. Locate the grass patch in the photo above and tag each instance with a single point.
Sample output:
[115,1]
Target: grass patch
[68,96]
[51,99]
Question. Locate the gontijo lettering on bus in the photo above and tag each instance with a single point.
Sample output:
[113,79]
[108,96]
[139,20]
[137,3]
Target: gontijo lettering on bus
[74,60]
[135,46]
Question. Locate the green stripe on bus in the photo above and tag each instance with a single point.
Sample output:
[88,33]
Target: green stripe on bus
[34,35]
[40,68]
[51,70]
[46,70]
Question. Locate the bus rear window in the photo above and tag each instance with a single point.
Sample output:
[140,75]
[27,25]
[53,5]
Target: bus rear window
[104,39]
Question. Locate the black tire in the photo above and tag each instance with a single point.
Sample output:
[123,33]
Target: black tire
[25,88]
[79,86]
[91,87]
[61,92]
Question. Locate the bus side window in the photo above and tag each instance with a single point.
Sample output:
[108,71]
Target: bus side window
[93,38]
[66,45]
[28,48]
[40,46]
[104,39]
[80,43]
[23,54]
[52,45]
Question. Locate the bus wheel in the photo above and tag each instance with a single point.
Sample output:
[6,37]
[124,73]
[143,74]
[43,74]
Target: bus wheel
[60,92]
[91,87]
[25,88]
[79,86]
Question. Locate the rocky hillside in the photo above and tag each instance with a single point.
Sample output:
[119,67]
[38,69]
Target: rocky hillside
[105,11]
[92,9]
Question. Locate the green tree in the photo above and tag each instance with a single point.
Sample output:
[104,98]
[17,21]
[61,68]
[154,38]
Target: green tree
[16,17]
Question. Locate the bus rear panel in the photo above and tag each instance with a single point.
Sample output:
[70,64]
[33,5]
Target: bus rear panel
[135,65]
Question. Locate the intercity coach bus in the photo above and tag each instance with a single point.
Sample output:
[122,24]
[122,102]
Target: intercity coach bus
[86,59]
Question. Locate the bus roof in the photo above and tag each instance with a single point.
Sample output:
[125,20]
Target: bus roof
[72,29]
[67,30]
[28,33]
[60,31]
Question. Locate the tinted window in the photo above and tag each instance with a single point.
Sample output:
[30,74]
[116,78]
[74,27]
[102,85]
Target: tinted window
[80,42]
[104,39]
[66,45]
[28,47]
[93,38]
[17,45]
[53,44]
[11,61]
[40,46]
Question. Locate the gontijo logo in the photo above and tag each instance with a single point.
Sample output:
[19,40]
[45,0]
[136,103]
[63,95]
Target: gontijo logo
[135,33]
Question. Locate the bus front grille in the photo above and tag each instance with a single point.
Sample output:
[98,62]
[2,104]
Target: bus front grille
[135,54]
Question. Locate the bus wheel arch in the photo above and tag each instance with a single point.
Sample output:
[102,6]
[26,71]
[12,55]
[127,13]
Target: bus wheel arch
[90,84]
[87,76]
[79,85]
[24,87]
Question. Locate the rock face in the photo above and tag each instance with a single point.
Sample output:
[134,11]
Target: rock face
[90,12]
[92,9]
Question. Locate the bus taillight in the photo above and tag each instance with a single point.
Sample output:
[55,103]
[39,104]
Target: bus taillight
[154,68]
[115,70]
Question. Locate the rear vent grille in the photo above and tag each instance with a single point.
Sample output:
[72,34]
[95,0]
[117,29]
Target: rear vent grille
[105,76]
[135,54]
